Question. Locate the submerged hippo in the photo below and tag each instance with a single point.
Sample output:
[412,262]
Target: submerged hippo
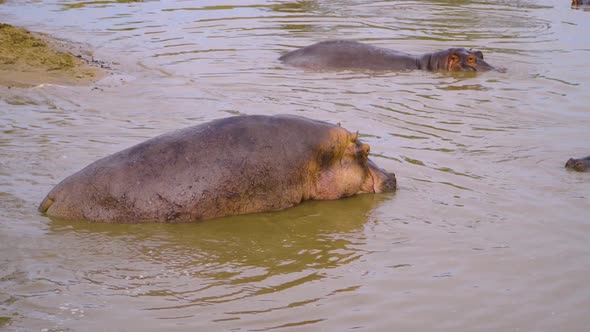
[344,54]
[580,2]
[230,166]
[580,165]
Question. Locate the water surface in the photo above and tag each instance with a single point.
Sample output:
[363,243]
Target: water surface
[487,229]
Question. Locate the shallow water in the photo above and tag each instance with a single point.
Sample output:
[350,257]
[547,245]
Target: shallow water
[487,229]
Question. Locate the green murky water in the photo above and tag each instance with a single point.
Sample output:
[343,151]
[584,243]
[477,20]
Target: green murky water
[486,231]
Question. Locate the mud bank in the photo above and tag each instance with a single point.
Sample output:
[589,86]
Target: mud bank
[28,59]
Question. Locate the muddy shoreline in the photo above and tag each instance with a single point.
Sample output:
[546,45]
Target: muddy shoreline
[29,59]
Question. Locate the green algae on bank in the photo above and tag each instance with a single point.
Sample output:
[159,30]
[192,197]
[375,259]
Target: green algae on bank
[4,320]
[27,59]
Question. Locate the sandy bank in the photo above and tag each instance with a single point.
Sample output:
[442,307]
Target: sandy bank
[28,59]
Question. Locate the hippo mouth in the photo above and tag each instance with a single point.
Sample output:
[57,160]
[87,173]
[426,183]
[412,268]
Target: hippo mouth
[382,182]
[387,186]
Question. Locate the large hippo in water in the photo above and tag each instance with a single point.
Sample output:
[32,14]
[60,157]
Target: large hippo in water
[230,166]
[580,165]
[345,54]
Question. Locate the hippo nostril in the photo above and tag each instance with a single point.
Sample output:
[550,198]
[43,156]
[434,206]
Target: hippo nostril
[388,184]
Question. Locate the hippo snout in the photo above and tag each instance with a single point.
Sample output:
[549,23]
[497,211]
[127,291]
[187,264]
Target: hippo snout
[484,66]
[383,182]
[387,185]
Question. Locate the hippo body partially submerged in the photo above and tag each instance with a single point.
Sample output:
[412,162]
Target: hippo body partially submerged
[580,165]
[580,3]
[346,54]
[230,166]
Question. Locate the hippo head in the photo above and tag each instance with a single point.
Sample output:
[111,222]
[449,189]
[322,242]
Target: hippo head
[580,165]
[345,169]
[462,59]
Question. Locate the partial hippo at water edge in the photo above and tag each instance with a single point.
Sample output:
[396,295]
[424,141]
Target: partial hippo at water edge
[580,2]
[345,54]
[230,166]
[580,165]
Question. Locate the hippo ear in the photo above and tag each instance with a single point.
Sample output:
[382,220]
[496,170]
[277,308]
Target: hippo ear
[354,137]
[366,149]
[478,54]
[361,152]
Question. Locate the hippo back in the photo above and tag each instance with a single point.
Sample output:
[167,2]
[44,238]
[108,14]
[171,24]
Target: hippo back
[346,54]
[229,166]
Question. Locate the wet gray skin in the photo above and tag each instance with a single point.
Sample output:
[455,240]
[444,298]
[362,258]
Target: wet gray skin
[230,166]
[580,165]
[345,54]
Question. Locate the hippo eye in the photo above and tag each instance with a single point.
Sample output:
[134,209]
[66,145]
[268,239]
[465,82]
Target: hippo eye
[471,59]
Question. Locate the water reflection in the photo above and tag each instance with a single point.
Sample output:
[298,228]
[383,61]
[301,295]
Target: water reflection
[224,259]
[98,4]
[301,6]
[480,158]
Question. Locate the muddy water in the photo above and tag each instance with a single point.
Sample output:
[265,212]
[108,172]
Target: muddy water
[487,230]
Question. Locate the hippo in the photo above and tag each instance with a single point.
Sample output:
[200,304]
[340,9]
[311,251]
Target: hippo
[580,2]
[580,165]
[230,166]
[345,54]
